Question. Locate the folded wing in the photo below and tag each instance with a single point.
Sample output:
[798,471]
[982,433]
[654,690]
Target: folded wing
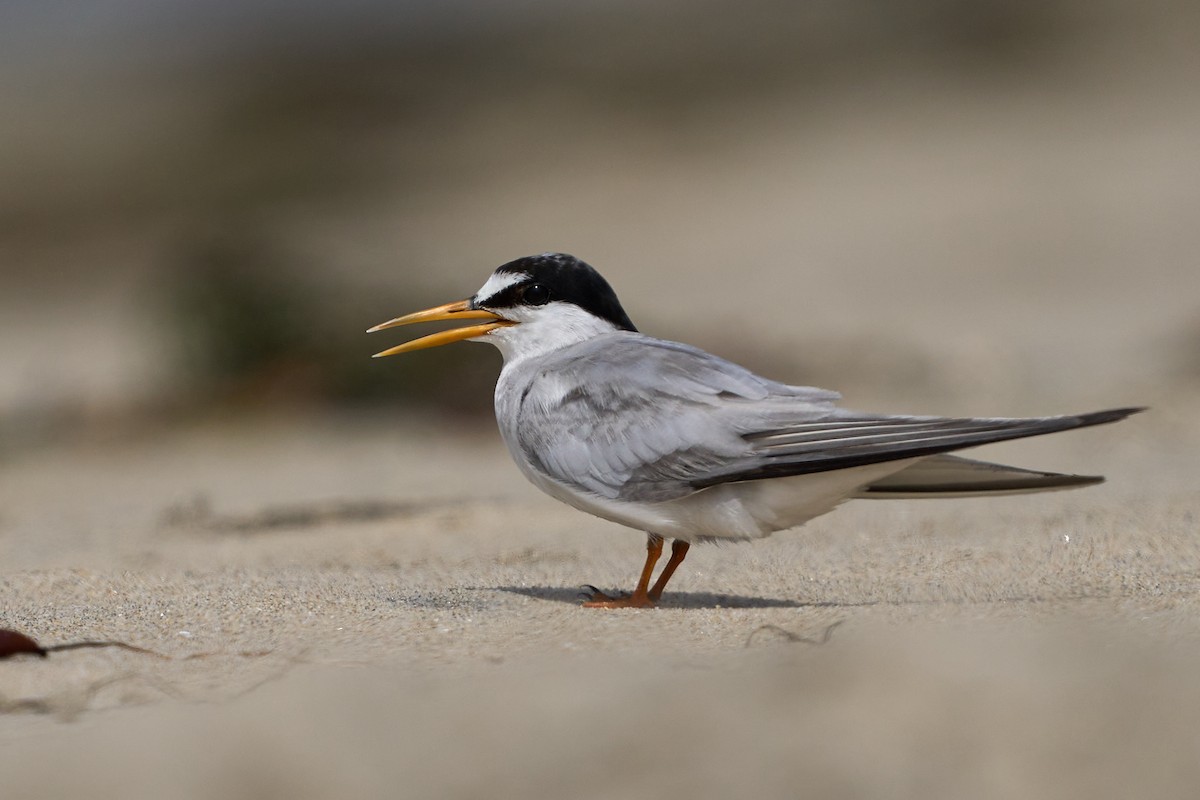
[625,416]
[858,440]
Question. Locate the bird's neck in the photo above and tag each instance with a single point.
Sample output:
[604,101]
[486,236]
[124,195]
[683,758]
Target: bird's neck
[549,332]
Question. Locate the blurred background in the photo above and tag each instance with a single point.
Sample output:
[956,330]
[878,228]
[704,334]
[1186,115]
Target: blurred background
[988,207]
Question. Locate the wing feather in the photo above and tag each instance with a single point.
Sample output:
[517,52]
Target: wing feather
[896,440]
[626,416]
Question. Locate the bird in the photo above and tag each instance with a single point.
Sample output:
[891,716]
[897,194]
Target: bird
[679,443]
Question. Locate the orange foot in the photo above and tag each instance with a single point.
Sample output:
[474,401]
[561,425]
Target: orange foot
[598,599]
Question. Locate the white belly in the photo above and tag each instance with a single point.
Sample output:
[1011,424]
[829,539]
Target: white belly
[744,510]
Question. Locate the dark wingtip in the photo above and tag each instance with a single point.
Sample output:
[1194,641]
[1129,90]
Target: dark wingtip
[1112,415]
[1076,481]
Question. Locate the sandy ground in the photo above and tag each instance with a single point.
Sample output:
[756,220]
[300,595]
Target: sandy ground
[364,608]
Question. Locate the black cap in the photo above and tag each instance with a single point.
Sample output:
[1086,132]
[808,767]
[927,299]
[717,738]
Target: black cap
[552,277]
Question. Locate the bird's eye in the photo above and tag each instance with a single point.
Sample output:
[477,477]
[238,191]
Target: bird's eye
[535,295]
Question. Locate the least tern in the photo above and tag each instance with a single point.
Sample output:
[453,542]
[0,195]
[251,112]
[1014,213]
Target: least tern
[678,443]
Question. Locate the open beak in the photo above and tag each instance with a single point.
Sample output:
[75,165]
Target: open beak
[460,310]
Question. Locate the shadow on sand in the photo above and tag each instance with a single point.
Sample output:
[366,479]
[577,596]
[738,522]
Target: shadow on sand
[575,596]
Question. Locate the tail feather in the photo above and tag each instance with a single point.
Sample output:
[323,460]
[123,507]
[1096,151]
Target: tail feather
[954,476]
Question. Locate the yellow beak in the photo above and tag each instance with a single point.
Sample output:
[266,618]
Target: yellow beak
[460,310]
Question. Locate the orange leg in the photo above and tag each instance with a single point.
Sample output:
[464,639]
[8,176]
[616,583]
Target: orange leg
[644,597]
[679,550]
[640,597]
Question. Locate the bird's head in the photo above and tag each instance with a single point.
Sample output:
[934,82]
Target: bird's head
[532,305]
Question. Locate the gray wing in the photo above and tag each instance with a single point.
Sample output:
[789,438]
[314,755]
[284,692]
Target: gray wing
[630,417]
[856,440]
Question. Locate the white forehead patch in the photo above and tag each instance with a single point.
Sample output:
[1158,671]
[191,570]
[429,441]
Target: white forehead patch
[498,283]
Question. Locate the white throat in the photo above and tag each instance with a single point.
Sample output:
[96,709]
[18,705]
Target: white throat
[543,329]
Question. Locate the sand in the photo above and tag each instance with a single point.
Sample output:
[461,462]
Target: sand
[357,608]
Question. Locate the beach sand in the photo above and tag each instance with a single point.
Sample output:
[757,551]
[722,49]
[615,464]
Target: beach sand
[365,608]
